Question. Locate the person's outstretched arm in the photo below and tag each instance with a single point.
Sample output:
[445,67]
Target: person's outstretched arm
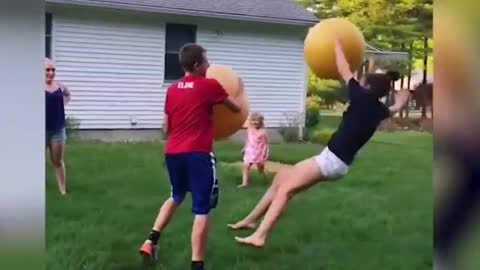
[401,99]
[342,64]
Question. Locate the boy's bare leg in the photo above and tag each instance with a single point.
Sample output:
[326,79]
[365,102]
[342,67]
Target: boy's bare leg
[250,221]
[302,176]
[164,215]
[199,238]
[149,248]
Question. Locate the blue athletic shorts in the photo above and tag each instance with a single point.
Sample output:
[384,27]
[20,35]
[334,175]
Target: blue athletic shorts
[194,173]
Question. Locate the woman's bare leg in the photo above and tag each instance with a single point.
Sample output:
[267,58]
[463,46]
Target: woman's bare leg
[56,155]
[301,177]
[250,221]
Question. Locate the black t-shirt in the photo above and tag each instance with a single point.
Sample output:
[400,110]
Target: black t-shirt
[359,122]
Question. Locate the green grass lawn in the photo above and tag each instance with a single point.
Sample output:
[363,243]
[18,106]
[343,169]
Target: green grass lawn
[378,217]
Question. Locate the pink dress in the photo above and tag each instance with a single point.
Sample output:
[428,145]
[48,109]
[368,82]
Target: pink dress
[256,147]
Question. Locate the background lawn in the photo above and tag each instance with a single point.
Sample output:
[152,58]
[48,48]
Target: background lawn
[379,217]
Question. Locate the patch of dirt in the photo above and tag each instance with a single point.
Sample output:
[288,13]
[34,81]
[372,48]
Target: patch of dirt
[398,124]
[271,167]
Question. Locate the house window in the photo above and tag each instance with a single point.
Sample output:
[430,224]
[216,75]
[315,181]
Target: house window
[48,35]
[177,35]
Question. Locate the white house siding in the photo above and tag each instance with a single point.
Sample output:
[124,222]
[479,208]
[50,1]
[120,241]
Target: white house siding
[270,64]
[114,70]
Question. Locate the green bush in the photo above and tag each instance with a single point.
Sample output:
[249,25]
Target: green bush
[289,130]
[312,112]
[289,134]
[72,126]
[321,136]
[312,118]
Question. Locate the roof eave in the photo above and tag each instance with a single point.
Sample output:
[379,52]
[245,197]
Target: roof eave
[183,12]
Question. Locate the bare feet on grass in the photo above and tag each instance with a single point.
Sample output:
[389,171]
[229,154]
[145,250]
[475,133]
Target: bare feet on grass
[242,225]
[252,241]
[242,186]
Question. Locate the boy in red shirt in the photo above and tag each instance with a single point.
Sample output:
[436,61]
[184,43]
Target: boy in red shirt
[188,154]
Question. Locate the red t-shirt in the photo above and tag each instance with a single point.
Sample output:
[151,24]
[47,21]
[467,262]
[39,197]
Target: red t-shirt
[189,106]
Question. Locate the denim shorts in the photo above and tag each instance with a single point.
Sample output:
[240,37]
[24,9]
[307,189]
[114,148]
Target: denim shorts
[55,136]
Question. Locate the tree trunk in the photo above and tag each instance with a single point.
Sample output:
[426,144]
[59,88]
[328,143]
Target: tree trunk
[410,56]
[424,81]
[391,94]
[401,84]
[401,88]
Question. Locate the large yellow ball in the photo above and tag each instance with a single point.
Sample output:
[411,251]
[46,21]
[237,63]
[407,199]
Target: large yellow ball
[320,47]
[225,122]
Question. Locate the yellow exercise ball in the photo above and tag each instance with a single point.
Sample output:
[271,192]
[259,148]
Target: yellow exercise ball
[319,48]
[226,77]
[225,122]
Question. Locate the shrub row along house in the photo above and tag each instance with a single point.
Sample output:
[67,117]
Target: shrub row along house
[119,56]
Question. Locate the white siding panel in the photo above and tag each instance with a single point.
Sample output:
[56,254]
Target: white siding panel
[114,70]
[270,64]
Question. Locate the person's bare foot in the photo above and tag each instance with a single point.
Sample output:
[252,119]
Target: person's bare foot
[251,241]
[242,225]
[242,186]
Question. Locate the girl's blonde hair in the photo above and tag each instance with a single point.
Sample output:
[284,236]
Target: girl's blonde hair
[256,116]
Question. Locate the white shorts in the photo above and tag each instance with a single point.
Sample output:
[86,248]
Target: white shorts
[331,166]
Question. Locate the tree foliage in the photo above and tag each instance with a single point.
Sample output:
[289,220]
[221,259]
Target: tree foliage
[328,91]
[385,23]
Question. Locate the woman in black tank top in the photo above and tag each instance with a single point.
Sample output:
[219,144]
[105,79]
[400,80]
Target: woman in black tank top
[331,163]
[56,97]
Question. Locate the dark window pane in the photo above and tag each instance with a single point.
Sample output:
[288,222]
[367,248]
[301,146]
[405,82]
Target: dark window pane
[48,35]
[178,35]
[173,70]
[48,24]
[48,47]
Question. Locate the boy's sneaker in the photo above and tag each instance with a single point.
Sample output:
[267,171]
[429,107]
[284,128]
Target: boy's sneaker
[149,251]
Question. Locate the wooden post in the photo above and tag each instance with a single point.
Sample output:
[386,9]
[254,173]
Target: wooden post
[371,64]
[361,70]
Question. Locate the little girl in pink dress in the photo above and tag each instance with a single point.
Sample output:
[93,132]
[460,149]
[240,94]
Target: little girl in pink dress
[256,148]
